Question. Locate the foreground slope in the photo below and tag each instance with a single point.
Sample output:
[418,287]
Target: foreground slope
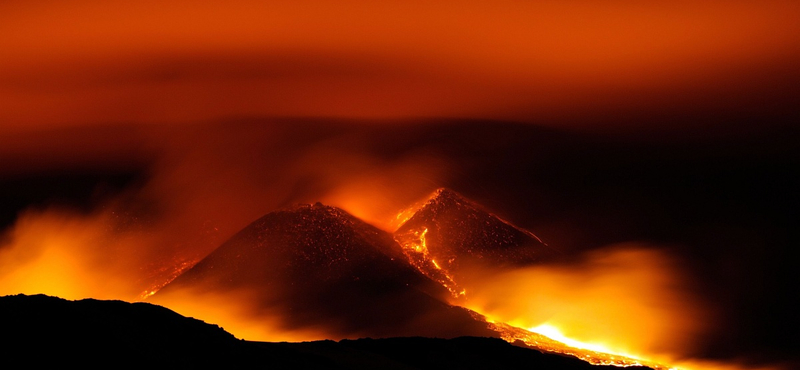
[92,331]
[52,331]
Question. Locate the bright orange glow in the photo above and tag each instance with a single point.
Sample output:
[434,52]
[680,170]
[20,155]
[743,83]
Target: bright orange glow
[551,340]
[148,61]
[553,333]
[52,253]
[374,191]
[205,186]
[620,305]
[416,249]
[61,253]
[172,273]
[614,303]
[625,300]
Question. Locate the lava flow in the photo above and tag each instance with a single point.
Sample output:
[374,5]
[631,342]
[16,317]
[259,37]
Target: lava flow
[168,275]
[416,249]
[548,338]
[451,269]
[466,236]
[316,272]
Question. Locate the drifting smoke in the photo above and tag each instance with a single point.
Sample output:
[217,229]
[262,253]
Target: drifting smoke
[149,68]
[204,185]
[628,299]
[239,313]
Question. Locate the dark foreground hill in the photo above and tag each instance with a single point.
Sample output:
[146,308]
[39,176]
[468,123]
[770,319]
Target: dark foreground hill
[43,330]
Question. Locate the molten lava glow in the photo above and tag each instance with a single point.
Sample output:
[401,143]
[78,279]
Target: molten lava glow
[614,307]
[513,292]
[408,212]
[629,299]
[556,342]
[373,190]
[172,272]
[422,245]
[622,306]
[553,333]
[416,249]
[102,255]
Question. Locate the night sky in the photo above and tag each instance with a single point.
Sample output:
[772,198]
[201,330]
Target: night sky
[667,125]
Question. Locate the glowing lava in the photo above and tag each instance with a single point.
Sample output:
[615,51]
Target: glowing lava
[467,234]
[171,274]
[415,248]
[549,338]
[553,332]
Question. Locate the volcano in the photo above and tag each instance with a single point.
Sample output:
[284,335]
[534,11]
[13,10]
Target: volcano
[317,266]
[449,234]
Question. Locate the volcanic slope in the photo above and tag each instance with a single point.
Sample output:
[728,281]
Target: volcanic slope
[449,233]
[317,266]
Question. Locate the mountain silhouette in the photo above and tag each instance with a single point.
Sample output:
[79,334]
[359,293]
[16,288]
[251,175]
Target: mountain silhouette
[48,331]
[92,332]
[317,266]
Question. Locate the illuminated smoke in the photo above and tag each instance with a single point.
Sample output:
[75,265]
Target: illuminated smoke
[152,70]
[204,184]
[207,182]
[628,299]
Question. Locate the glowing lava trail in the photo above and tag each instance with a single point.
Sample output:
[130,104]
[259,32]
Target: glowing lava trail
[176,271]
[445,204]
[415,248]
[549,338]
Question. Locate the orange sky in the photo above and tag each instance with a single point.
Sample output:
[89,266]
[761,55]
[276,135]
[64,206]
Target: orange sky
[115,66]
[74,62]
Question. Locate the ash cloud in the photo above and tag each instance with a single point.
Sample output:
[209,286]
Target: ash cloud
[202,185]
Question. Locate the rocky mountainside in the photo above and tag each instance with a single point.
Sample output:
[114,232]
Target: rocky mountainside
[317,266]
[448,234]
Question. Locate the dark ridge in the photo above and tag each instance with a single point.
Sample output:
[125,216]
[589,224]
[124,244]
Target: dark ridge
[319,267]
[43,330]
[92,331]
